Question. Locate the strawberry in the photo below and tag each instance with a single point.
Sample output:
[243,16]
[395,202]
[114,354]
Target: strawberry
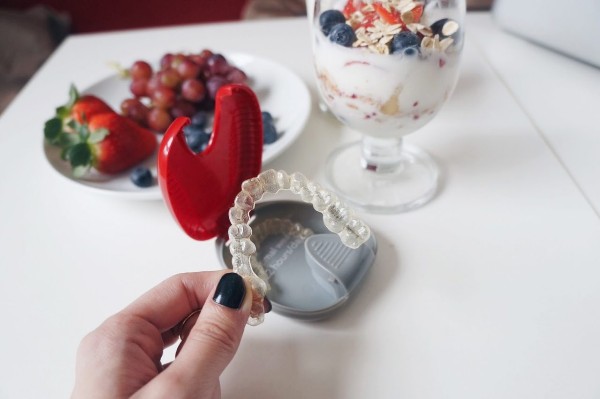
[77,109]
[350,8]
[414,15]
[391,17]
[87,106]
[108,142]
[369,18]
[417,12]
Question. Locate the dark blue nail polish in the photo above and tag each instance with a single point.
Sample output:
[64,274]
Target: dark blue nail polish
[230,291]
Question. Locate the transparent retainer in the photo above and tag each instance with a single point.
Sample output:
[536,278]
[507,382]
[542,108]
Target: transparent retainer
[337,218]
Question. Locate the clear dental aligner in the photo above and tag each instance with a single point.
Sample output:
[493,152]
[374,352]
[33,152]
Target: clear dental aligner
[274,226]
[271,227]
[337,217]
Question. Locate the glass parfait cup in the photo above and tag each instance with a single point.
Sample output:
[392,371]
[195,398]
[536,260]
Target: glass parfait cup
[385,68]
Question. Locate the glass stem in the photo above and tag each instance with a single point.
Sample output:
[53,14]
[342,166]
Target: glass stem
[382,155]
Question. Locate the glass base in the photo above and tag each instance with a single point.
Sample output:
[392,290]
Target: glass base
[410,185]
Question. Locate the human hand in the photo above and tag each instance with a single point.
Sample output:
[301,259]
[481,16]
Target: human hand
[121,358]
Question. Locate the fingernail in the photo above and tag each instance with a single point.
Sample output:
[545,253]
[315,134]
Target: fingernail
[230,291]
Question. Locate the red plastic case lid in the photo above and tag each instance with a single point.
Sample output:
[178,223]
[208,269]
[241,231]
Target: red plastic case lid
[200,188]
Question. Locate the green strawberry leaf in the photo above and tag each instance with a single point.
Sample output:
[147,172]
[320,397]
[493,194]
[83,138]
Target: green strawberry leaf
[68,139]
[84,131]
[98,135]
[81,129]
[52,129]
[62,112]
[79,155]
[64,154]
[73,97]
[80,171]
[72,124]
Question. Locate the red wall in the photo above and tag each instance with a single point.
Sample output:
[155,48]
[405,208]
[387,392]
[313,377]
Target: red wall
[95,16]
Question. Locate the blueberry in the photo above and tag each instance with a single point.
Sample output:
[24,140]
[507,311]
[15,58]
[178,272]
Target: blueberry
[328,19]
[199,119]
[437,26]
[403,40]
[192,130]
[141,177]
[270,133]
[267,117]
[269,130]
[342,34]
[196,138]
[408,51]
[445,27]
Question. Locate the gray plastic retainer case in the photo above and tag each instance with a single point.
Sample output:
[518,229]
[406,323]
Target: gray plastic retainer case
[309,278]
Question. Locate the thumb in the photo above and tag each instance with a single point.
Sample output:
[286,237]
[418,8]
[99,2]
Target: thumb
[214,339]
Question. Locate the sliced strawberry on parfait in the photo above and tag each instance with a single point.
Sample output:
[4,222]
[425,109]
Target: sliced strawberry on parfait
[351,7]
[417,12]
[412,15]
[391,17]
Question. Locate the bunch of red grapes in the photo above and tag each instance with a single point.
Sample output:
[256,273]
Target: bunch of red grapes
[184,85]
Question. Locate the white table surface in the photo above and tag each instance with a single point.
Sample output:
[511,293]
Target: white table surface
[560,96]
[490,291]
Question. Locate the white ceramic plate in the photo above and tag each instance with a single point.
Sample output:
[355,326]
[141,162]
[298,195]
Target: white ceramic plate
[279,91]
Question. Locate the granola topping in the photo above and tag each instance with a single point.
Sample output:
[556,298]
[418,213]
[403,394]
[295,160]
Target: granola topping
[376,22]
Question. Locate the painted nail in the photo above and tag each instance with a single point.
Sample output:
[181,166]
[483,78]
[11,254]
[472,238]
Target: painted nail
[230,291]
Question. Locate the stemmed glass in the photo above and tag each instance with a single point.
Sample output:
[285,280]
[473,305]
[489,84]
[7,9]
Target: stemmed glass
[385,68]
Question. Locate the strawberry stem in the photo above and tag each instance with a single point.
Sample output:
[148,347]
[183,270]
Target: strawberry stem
[119,69]
[64,111]
[56,128]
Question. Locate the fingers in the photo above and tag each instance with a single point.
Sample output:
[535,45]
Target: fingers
[215,337]
[172,300]
[183,329]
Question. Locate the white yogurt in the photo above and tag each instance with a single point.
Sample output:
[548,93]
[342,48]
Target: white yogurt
[383,95]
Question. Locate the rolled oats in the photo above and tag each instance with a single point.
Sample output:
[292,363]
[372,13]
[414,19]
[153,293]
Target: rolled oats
[374,33]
